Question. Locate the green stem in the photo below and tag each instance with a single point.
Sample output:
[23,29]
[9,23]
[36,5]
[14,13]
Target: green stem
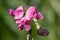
[37,24]
[29,35]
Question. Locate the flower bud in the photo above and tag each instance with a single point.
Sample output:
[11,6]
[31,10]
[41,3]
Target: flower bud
[42,32]
[11,12]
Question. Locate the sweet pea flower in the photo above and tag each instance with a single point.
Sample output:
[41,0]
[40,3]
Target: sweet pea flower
[18,13]
[33,12]
[23,23]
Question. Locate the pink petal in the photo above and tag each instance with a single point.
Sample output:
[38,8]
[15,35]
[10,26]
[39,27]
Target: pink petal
[19,21]
[19,12]
[11,12]
[20,26]
[27,27]
[40,15]
[27,21]
[36,16]
[30,12]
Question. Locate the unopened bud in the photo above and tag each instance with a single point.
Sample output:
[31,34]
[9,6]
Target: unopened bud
[42,32]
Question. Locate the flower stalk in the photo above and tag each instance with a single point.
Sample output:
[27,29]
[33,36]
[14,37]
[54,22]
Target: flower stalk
[29,35]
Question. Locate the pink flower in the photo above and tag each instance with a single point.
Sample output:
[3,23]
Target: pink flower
[32,12]
[18,13]
[23,23]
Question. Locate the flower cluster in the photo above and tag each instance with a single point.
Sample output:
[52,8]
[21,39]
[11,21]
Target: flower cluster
[23,21]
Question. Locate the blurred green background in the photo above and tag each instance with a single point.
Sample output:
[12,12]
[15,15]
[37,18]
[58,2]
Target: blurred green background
[49,8]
